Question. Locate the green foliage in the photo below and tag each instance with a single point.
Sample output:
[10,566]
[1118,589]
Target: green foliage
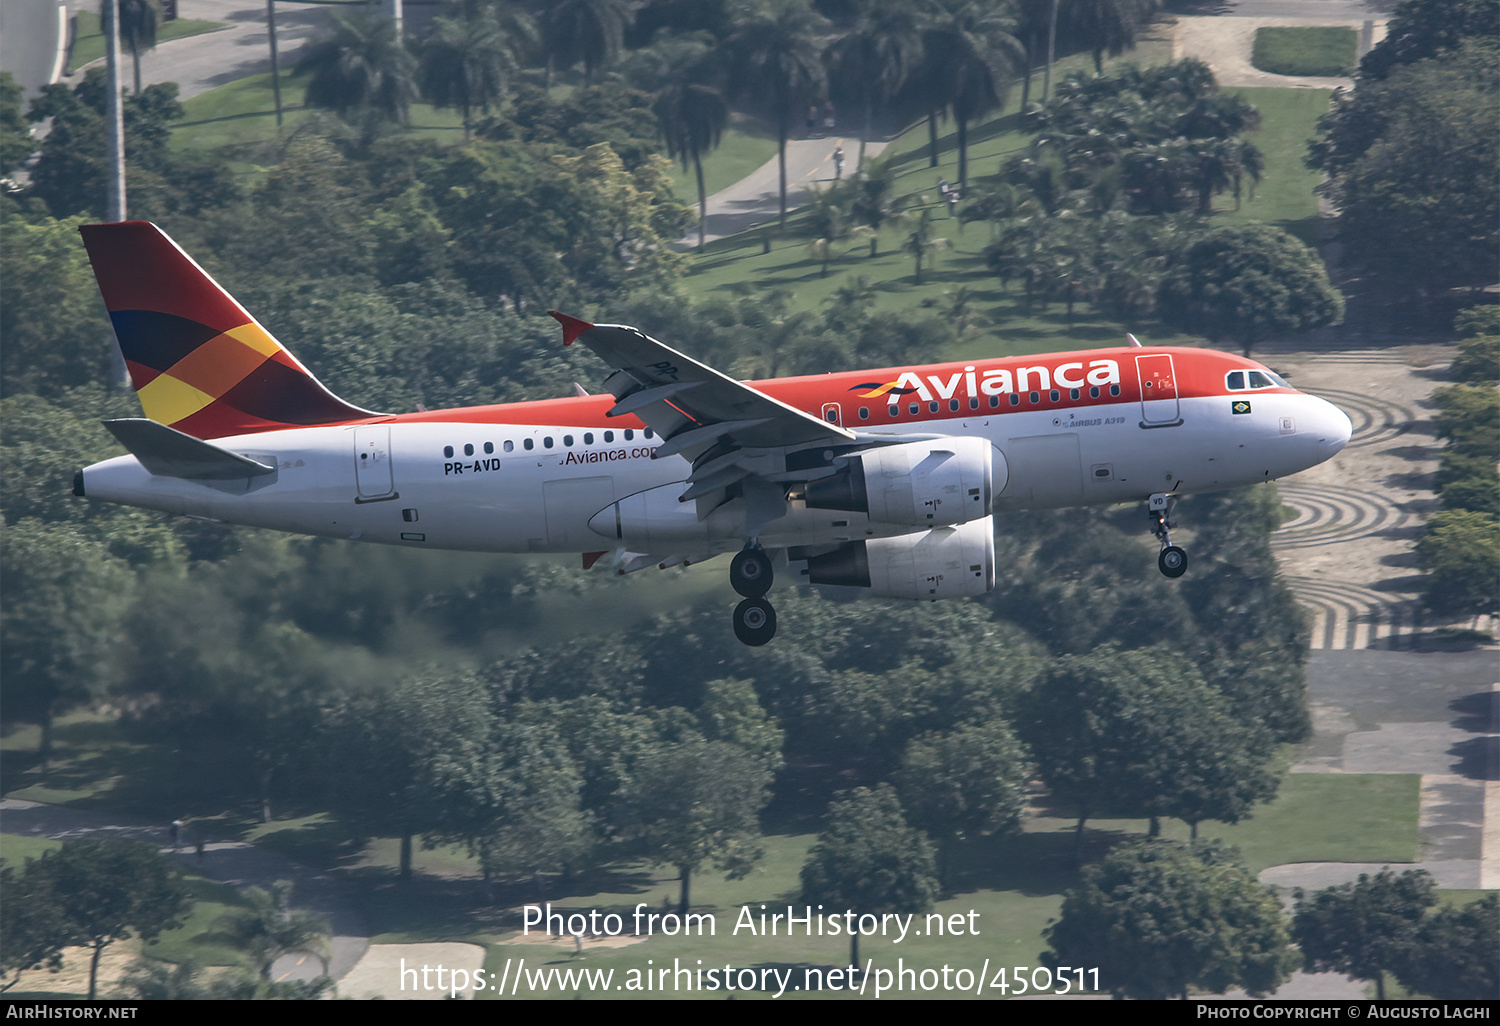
[1483,319]
[1469,418]
[53,328]
[1320,50]
[1160,917]
[1140,733]
[269,928]
[1461,554]
[1409,160]
[101,892]
[16,143]
[361,65]
[1362,929]
[967,783]
[1420,29]
[697,803]
[1456,953]
[1247,284]
[1478,360]
[870,860]
[61,646]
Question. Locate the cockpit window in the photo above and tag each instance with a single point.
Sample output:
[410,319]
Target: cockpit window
[1238,381]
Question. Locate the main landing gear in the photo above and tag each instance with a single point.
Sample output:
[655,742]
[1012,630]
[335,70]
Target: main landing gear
[750,575]
[1173,561]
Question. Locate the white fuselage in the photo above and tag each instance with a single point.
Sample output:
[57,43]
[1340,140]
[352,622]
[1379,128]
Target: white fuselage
[475,486]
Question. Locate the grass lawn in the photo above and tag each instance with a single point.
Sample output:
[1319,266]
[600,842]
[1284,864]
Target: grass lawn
[15,849]
[93,765]
[89,46]
[1285,195]
[1321,50]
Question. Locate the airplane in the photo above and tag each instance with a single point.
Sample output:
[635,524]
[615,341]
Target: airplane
[884,480]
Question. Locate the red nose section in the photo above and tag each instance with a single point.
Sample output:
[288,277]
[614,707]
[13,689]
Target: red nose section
[572,326]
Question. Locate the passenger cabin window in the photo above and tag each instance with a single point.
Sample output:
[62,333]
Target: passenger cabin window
[448,452]
[864,413]
[468,450]
[932,407]
[1093,391]
[1015,399]
[510,446]
[547,442]
[588,438]
[913,408]
[1074,393]
[1056,395]
[1114,389]
[568,441]
[994,401]
[629,434]
[647,434]
[953,405]
[529,444]
[609,436]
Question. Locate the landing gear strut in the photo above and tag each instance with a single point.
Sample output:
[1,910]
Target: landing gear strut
[750,575]
[1173,561]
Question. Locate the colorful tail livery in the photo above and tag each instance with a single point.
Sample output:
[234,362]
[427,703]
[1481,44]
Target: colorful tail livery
[199,362]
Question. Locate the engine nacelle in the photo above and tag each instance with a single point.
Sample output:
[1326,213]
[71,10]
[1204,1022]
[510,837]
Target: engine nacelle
[945,562]
[923,484]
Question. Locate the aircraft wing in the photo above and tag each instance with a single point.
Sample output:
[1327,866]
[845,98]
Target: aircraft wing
[692,406]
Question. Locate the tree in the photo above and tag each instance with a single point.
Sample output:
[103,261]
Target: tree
[965,784]
[1456,954]
[1140,733]
[1159,917]
[466,63]
[692,118]
[876,203]
[773,62]
[697,803]
[1409,161]
[592,31]
[16,143]
[923,242]
[138,21]
[1246,284]
[60,647]
[1363,929]
[1461,553]
[106,891]
[1420,29]
[869,66]
[360,64]
[970,55]
[869,860]
[1106,26]
[32,931]
[830,221]
[270,928]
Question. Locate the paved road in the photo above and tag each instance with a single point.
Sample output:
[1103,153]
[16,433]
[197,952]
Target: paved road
[756,198]
[200,63]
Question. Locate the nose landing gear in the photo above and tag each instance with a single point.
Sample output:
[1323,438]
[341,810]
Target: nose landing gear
[1173,561]
[750,574]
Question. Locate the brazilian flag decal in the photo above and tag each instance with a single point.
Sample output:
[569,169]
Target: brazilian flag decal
[1239,406]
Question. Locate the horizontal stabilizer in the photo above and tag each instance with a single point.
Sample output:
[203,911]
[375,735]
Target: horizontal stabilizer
[167,452]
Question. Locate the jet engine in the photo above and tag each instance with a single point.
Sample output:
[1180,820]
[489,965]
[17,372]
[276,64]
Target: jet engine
[923,484]
[946,562]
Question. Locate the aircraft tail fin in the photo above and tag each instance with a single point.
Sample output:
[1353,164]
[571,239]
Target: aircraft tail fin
[199,362]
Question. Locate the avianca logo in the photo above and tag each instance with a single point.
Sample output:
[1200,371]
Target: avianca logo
[994,382]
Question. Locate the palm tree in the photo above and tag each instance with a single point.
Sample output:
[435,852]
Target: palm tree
[692,119]
[466,63]
[971,54]
[773,60]
[138,21]
[831,220]
[592,31]
[922,242]
[1106,26]
[875,201]
[872,63]
[361,62]
[270,928]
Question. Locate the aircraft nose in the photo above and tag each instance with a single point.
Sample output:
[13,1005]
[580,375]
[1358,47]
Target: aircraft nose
[1333,426]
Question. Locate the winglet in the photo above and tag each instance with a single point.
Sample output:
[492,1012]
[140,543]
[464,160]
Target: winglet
[572,326]
[1134,342]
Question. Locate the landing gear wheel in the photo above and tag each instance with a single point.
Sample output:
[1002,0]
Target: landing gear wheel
[1172,561]
[750,574]
[754,621]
